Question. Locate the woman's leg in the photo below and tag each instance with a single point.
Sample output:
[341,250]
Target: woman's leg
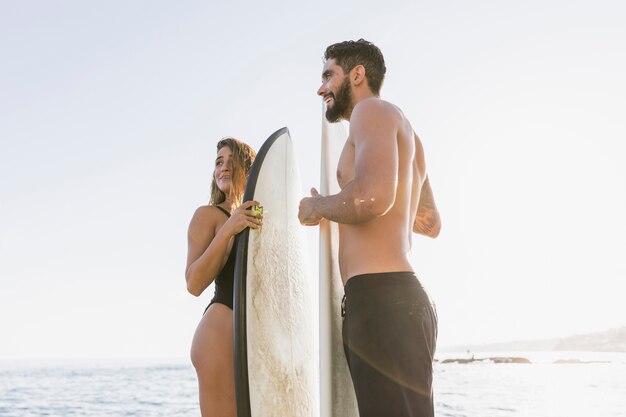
[212,356]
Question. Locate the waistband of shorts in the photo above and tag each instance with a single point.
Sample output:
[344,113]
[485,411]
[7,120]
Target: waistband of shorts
[380,280]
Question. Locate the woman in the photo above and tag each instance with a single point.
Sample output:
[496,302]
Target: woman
[211,257]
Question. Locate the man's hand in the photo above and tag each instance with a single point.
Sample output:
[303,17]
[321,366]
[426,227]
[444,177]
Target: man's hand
[307,214]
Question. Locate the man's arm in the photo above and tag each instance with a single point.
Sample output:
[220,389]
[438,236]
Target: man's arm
[372,191]
[427,221]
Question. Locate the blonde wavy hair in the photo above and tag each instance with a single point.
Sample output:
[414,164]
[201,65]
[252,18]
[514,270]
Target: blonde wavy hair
[243,156]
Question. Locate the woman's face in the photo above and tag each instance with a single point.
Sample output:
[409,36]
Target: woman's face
[224,169]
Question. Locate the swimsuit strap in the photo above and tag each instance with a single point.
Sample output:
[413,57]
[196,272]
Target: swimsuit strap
[223,210]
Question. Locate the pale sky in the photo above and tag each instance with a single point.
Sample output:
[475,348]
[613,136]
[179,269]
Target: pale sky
[110,112]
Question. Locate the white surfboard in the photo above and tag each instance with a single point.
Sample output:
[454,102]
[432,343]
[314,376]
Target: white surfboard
[275,356]
[337,397]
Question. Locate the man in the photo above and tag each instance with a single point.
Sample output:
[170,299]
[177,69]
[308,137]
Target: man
[390,325]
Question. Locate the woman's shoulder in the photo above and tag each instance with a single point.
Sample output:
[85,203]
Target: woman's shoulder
[207,214]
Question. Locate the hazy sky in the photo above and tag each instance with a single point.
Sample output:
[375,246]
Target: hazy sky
[110,111]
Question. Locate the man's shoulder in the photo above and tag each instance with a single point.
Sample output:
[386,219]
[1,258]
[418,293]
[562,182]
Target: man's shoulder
[374,110]
[377,107]
[376,104]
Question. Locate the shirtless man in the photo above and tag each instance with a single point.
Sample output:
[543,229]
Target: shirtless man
[390,324]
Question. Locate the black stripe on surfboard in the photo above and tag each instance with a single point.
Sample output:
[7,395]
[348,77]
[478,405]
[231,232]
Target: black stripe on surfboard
[242,383]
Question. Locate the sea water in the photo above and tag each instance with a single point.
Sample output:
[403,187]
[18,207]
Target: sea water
[100,388]
[594,388]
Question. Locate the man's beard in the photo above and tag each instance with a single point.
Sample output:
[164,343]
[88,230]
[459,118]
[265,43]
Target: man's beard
[341,102]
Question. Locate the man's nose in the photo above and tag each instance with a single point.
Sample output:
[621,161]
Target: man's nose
[321,91]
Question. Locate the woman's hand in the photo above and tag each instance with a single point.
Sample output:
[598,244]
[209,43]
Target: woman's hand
[242,217]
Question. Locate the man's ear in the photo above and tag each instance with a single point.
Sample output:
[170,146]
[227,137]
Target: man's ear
[357,75]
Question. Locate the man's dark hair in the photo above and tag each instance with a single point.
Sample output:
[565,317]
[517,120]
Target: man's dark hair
[349,54]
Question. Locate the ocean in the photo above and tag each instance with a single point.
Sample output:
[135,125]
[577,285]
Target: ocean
[594,387]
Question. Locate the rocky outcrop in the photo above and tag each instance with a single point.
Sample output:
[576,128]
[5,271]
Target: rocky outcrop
[576,361]
[496,359]
[508,360]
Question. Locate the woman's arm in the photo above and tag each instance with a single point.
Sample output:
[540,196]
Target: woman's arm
[210,245]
